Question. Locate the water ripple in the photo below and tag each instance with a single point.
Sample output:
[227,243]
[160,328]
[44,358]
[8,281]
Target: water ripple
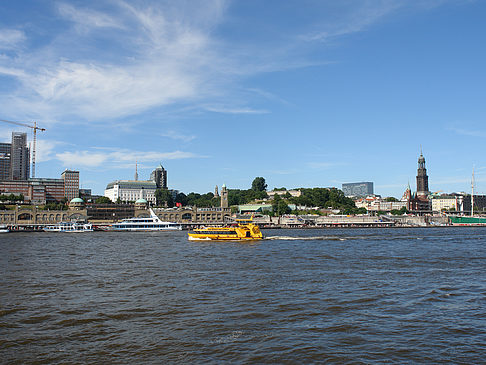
[303,296]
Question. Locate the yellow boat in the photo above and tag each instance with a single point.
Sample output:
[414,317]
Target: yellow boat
[244,230]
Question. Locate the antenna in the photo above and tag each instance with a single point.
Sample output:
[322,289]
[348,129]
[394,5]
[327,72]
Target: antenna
[472,193]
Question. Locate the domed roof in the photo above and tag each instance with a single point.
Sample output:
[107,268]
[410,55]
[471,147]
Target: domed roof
[77,200]
[141,201]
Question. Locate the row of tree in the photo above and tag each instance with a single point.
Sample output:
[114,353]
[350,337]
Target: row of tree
[310,197]
[235,196]
[11,198]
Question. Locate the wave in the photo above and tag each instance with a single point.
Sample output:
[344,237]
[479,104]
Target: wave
[297,238]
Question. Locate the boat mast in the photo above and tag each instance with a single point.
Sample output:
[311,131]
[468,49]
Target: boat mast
[472,194]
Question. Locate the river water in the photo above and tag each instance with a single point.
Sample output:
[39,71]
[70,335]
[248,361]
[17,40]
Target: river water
[300,296]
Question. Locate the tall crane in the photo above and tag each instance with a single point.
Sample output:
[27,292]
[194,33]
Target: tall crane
[34,130]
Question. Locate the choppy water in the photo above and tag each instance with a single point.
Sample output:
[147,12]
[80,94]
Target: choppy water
[302,296]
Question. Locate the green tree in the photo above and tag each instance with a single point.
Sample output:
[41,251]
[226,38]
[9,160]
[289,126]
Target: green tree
[259,184]
[181,198]
[391,199]
[279,206]
[103,200]
[164,196]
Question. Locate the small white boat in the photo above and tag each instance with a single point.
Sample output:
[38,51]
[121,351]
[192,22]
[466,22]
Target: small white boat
[73,227]
[4,229]
[152,223]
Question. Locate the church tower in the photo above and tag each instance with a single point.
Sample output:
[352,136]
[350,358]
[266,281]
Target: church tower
[224,197]
[422,178]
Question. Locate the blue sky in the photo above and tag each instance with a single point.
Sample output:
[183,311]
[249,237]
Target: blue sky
[304,93]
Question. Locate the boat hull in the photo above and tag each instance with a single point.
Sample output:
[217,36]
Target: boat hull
[144,229]
[70,227]
[201,237]
[242,232]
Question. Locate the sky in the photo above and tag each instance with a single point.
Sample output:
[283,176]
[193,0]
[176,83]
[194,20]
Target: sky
[305,93]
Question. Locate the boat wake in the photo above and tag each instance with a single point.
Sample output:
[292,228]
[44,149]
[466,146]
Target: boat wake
[315,238]
[199,238]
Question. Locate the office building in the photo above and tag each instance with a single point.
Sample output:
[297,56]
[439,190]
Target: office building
[5,149]
[71,184]
[358,189]
[41,190]
[19,157]
[159,176]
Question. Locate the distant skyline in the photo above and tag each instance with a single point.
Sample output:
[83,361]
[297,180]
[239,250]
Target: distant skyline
[309,93]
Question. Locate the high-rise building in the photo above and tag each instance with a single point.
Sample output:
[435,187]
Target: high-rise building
[71,184]
[5,149]
[358,189]
[19,157]
[159,176]
[422,178]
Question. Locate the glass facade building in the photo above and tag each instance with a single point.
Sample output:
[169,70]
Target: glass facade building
[358,189]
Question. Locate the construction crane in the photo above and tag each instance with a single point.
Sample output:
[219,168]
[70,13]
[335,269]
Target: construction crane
[34,130]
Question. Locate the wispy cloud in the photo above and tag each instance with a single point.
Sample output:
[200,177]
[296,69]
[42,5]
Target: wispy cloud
[161,58]
[467,132]
[233,110]
[356,19]
[86,19]
[178,136]
[120,58]
[117,158]
[45,149]
[11,38]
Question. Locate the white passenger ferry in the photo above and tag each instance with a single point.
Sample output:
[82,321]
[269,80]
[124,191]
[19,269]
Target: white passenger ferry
[152,223]
[71,227]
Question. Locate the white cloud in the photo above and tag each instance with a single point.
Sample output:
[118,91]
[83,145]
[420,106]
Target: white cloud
[178,136]
[45,149]
[355,18]
[82,158]
[117,158]
[11,38]
[120,58]
[10,71]
[233,110]
[87,18]
[161,59]
[468,132]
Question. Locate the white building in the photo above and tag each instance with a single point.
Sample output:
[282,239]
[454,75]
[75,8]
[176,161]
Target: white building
[131,190]
[375,204]
[442,203]
[293,193]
